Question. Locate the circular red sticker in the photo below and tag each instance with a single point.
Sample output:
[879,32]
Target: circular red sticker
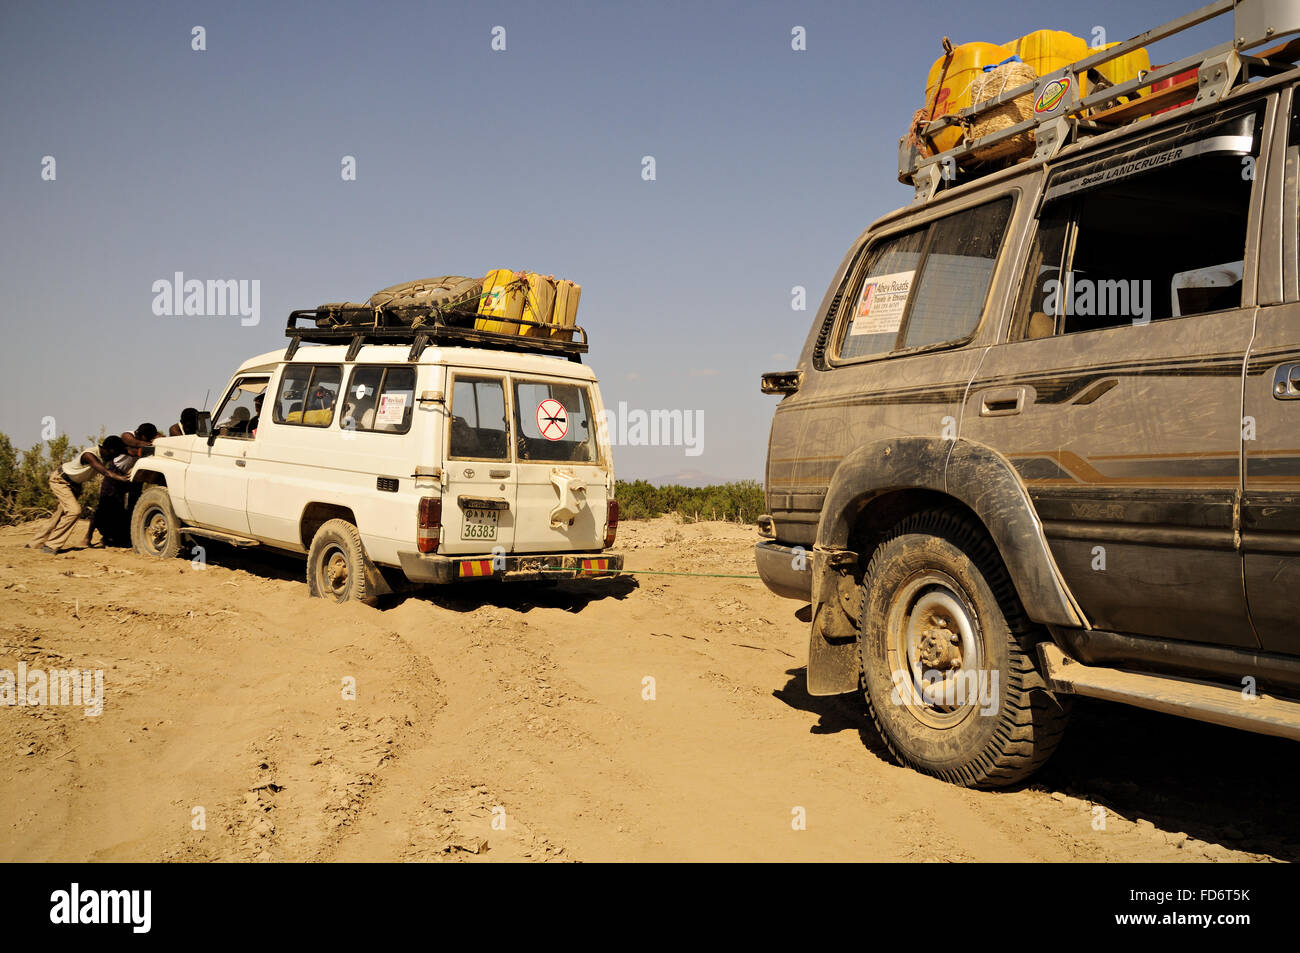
[552,419]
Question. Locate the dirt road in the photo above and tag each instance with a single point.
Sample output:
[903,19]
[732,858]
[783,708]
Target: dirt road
[513,723]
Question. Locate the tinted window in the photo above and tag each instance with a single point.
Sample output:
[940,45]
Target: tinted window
[926,286]
[478,419]
[379,399]
[956,275]
[881,298]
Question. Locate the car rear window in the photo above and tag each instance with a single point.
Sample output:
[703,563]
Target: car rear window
[554,423]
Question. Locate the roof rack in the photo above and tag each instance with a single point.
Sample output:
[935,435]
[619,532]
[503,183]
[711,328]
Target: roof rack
[422,326]
[1219,69]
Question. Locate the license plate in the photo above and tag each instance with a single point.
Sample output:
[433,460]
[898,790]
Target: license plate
[479,524]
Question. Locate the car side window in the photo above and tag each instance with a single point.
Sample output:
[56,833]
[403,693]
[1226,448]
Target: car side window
[880,296]
[479,430]
[956,275]
[237,416]
[927,286]
[307,394]
[1135,249]
[379,399]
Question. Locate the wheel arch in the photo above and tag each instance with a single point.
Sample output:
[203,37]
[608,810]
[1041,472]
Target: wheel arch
[316,514]
[883,482]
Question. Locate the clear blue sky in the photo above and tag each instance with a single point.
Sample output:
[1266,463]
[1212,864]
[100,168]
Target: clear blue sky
[226,164]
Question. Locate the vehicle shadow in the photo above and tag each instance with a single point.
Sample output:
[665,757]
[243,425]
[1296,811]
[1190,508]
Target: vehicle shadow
[571,595]
[1214,784]
[835,713]
[1219,785]
[266,563]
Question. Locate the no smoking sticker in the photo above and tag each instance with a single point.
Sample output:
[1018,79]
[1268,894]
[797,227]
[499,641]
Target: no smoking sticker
[552,419]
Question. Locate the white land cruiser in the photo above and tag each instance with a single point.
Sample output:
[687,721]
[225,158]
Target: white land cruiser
[392,454]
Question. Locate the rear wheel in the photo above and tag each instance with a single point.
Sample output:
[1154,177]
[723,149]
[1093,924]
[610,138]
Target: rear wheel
[155,531]
[946,657]
[337,565]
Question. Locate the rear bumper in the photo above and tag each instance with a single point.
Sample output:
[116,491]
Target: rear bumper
[440,570]
[786,570]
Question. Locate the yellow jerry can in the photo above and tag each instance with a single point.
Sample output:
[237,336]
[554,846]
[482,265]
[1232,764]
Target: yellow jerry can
[565,317]
[948,88]
[503,297]
[1126,67]
[1047,51]
[539,304]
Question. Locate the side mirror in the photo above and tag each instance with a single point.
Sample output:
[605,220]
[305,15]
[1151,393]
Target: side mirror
[203,425]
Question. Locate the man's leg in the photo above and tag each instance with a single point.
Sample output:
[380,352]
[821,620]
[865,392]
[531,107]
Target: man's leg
[68,513]
[59,487]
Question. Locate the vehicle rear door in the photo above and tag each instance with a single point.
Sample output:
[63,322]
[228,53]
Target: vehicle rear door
[478,503]
[560,464]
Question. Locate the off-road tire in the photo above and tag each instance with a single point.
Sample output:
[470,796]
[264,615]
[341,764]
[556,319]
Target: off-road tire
[155,530]
[428,292]
[938,573]
[338,567]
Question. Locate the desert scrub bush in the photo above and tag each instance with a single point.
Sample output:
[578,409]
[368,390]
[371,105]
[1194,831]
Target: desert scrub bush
[738,502]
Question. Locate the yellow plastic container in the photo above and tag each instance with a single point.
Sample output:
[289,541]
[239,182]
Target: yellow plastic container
[1050,50]
[567,294]
[1126,67]
[1047,51]
[503,297]
[539,304]
[949,90]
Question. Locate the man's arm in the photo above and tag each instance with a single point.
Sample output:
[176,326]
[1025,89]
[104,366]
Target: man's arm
[98,466]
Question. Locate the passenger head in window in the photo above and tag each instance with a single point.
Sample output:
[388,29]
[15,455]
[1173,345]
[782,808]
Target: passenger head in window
[237,424]
[257,414]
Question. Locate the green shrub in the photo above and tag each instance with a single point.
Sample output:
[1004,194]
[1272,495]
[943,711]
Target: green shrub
[25,480]
[739,502]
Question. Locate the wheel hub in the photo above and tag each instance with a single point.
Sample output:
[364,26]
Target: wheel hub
[157,530]
[336,572]
[934,642]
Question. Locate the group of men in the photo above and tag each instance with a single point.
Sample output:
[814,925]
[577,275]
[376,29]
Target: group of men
[113,460]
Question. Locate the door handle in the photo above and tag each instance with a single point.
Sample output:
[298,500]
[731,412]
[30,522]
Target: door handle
[498,474]
[241,463]
[1002,403]
[1286,382]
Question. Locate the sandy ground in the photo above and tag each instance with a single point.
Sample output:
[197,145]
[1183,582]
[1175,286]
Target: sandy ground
[508,723]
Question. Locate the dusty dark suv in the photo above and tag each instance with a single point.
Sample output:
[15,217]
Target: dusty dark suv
[1044,435]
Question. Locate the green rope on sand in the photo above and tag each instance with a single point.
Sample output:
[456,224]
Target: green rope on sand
[657,572]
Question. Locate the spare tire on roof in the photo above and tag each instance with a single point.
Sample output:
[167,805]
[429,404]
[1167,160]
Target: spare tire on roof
[429,292]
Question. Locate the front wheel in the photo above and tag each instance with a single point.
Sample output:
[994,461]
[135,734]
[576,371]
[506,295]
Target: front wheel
[337,565]
[946,657]
[155,531]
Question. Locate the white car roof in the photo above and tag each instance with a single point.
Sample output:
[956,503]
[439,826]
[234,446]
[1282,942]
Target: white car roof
[480,357]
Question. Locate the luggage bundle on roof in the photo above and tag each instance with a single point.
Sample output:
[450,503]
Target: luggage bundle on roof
[990,105]
[514,310]
[974,73]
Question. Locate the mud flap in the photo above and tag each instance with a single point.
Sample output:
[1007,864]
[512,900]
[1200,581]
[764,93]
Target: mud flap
[833,643]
